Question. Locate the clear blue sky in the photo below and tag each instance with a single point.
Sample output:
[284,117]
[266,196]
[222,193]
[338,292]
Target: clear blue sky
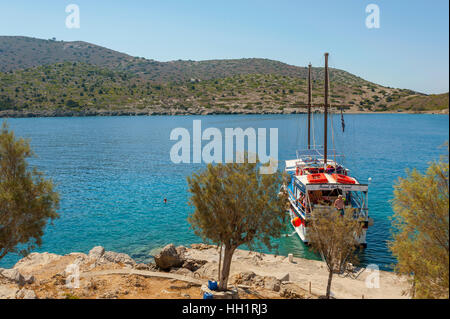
[409,50]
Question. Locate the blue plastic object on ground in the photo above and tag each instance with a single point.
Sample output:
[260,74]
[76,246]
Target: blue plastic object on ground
[212,285]
[207,295]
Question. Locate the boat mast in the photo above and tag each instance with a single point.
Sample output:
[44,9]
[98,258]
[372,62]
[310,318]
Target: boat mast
[309,106]
[326,110]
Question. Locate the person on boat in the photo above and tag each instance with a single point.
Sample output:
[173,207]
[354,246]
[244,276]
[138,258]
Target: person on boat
[329,170]
[339,204]
[305,205]
[300,199]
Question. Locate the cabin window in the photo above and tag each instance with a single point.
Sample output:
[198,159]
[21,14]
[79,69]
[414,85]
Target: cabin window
[325,196]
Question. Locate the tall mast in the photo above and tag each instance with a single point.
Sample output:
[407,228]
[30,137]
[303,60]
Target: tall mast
[326,110]
[309,106]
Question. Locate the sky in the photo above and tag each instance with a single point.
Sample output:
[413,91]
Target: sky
[410,49]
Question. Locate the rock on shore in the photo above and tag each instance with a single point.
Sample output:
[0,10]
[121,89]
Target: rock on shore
[169,257]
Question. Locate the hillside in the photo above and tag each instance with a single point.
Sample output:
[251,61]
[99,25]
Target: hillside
[24,52]
[48,78]
[423,103]
[80,87]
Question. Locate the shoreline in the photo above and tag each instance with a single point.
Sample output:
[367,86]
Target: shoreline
[107,113]
[182,272]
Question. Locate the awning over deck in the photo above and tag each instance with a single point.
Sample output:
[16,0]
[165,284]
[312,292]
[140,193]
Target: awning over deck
[343,187]
[332,184]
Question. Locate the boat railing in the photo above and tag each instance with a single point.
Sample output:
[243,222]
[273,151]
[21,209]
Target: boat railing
[358,212]
[317,154]
[298,205]
[364,212]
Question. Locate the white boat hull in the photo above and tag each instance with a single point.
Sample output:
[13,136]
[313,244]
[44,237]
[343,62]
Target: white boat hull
[302,232]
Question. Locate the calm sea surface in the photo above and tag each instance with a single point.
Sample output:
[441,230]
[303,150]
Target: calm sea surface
[114,172]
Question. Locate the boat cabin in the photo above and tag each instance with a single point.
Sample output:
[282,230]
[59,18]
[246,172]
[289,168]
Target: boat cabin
[314,185]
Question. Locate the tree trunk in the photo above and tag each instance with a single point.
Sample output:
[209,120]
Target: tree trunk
[228,255]
[220,261]
[330,277]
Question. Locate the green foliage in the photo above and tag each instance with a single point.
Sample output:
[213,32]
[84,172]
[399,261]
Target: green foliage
[334,237]
[236,205]
[27,199]
[72,85]
[6,103]
[421,223]
[72,103]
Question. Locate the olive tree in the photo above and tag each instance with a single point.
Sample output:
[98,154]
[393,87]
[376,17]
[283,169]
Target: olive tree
[334,237]
[421,230]
[236,205]
[27,199]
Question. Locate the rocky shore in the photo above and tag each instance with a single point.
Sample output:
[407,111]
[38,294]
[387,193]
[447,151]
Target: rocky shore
[163,111]
[182,272]
[136,112]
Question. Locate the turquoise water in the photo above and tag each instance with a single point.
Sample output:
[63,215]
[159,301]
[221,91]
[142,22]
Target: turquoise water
[114,172]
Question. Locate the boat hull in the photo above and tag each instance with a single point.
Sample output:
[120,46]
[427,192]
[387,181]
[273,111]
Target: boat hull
[302,232]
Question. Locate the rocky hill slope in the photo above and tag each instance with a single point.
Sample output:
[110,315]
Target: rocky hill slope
[51,78]
[24,52]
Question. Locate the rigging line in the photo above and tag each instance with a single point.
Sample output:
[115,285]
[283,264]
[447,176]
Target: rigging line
[331,112]
[332,125]
[312,113]
[332,136]
[313,131]
[330,77]
[303,132]
[342,145]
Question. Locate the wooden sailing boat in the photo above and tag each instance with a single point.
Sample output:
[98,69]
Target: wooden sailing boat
[317,181]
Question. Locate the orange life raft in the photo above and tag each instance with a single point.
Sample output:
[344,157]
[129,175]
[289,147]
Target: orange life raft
[319,178]
[342,179]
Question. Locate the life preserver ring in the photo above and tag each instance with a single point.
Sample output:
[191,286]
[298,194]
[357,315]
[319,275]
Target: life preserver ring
[296,222]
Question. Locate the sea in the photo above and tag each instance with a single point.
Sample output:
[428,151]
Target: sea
[113,173]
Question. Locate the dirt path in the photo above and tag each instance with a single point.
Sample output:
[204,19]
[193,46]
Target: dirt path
[144,273]
[362,283]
